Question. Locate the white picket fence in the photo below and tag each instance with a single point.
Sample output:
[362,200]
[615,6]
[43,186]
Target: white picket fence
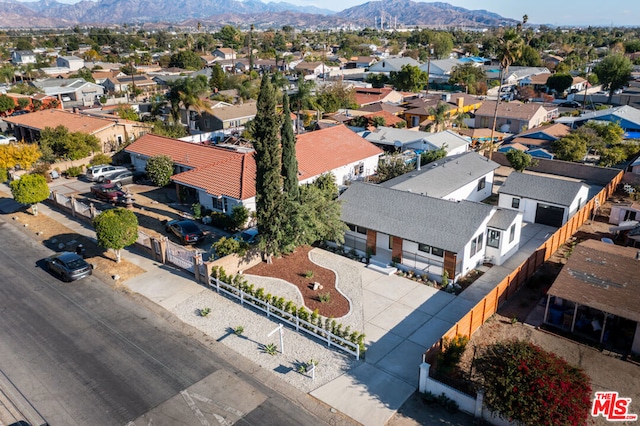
[286,317]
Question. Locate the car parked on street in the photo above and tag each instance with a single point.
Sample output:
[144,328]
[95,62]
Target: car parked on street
[100,172]
[187,230]
[68,266]
[571,104]
[111,192]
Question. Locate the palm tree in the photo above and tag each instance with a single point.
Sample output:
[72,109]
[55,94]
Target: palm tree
[439,115]
[187,92]
[509,50]
[458,120]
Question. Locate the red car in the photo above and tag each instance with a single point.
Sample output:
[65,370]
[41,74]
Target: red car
[111,192]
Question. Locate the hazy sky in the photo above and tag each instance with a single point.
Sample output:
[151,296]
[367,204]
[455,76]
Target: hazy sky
[555,12]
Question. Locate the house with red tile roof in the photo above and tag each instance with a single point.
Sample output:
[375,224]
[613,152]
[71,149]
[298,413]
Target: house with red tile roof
[370,95]
[112,132]
[222,178]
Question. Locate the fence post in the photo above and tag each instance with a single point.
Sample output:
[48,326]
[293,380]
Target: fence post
[72,199]
[297,322]
[267,306]
[424,375]
[217,284]
[92,210]
[241,297]
[479,402]
[197,260]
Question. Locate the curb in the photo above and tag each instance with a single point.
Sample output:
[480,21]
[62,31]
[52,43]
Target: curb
[14,407]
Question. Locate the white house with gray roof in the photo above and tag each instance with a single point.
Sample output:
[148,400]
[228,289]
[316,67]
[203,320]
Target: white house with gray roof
[392,64]
[402,139]
[541,199]
[427,234]
[467,176]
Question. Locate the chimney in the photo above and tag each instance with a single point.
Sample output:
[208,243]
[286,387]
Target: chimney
[460,103]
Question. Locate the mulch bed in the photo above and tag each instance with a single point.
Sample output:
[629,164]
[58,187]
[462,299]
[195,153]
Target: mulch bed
[293,268]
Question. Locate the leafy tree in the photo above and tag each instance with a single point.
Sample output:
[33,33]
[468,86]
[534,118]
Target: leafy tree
[217,80]
[159,168]
[469,76]
[524,383]
[378,121]
[230,36]
[303,98]
[571,147]
[6,103]
[392,166]
[85,74]
[226,246]
[23,154]
[377,80]
[289,160]
[520,160]
[612,156]
[613,72]
[336,96]
[319,216]
[23,103]
[410,78]
[187,92]
[186,59]
[529,57]
[116,229]
[360,121]
[269,196]
[559,82]
[433,155]
[61,143]
[610,132]
[127,113]
[30,189]
[439,114]
[442,44]
[239,216]
[170,130]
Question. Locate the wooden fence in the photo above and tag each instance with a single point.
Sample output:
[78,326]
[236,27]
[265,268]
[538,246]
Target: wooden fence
[489,305]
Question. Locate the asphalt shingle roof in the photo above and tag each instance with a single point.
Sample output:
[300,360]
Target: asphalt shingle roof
[541,188]
[442,177]
[503,218]
[441,223]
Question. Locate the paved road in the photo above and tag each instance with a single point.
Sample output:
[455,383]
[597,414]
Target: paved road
[83,354]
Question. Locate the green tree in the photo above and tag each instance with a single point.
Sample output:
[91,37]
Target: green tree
[377,80]
[85,74]
[268,156]
[6,104]
[289,160]
[469,76]
[433,155]
[226,246]
[336,96]
[392,166]
[319,216]
[520,160]
[217,80]
[378,121]
[186,59]
[23,103]
[529,57]
[611,156]
[61,143]
[170,130]
[239,216]
[559,82]
[127,113]
[230,36]
[524,383]
[187,92]
[410,78]
[571,147]
[442,44]
[116,229]
[613,72]
[159,168]
[30,189]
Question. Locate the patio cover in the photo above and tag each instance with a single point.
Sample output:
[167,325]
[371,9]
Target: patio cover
[602,276]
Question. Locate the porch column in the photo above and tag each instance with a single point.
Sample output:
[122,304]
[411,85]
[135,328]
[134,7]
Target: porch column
[604,325]
[575,314]
[371,241]
[396,249]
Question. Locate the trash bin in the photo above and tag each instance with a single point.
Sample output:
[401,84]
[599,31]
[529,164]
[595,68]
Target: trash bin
[80,251]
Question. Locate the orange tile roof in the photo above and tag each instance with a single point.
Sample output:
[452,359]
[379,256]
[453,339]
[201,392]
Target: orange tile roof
[219,171]
[54,117]
[389,119]
[324,150]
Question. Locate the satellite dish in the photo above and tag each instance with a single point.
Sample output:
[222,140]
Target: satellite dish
[397,144]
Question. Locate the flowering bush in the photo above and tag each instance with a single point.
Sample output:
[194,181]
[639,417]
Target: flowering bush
[523,382]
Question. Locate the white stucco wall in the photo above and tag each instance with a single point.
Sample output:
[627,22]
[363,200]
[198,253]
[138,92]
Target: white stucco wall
[347,173]
[578,202]
[470,191]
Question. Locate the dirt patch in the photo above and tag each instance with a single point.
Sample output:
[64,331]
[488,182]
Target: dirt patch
[297,269]
[58,237]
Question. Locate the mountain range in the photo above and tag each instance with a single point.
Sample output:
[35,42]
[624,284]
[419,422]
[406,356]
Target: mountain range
[400,13]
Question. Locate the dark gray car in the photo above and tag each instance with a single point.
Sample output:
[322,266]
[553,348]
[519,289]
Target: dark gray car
[68,266]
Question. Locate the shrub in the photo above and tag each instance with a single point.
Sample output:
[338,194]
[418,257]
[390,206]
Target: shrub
[196,208]
[451,353]
[238,330]
[74,171]
[159,169]
[308,274]
[4,175]
[42,169]
[100,159]
[324,297]
[524,383]
[221,220]
[204,312]
[270,349]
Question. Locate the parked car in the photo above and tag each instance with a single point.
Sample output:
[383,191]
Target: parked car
[249,236]
[111,192]
[187,230]
[100,172]
[68,266]
[571,104]
[4,140]
[124,178]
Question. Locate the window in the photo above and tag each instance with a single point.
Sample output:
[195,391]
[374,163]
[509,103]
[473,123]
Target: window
[390,242]
[512,233]
[473,247]
[425,248]
[356,228]
[476,245]
[493,238]
[482,183]
[429,249]
[515,203]
[480,237]
[218,203]
[359,169]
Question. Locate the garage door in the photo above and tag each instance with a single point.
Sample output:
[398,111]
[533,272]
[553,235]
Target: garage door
[549,215]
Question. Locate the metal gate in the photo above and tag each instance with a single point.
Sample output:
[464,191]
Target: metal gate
[180,257]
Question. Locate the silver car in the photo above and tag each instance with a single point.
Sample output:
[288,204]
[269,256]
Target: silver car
[100,172]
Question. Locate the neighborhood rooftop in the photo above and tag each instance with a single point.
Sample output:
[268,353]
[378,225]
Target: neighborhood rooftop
[541,188]
[39,120]
[449,225]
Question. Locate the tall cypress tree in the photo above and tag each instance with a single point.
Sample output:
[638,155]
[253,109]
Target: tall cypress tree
[269,196]
[289,160]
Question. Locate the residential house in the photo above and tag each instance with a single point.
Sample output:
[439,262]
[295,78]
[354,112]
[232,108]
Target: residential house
[224,53]
[360,62]
[480,136]
[388,65]
[513,117]
[439,70]
[427,234]
[72,92]
[517,74]
[419,111]
[541,137]
[467,176]
[402,139]
[634,167]
[371,95]
[227,118]
[101,75]
[313,70]
[538,82]
[596,296]
[221,178]
[382,106]
[552,60]
[626,116]
[125,83]
[542,199]
[73,63]
[23,57]
[112,133]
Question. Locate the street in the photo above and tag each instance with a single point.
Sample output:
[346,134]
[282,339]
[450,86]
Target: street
[84,353]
